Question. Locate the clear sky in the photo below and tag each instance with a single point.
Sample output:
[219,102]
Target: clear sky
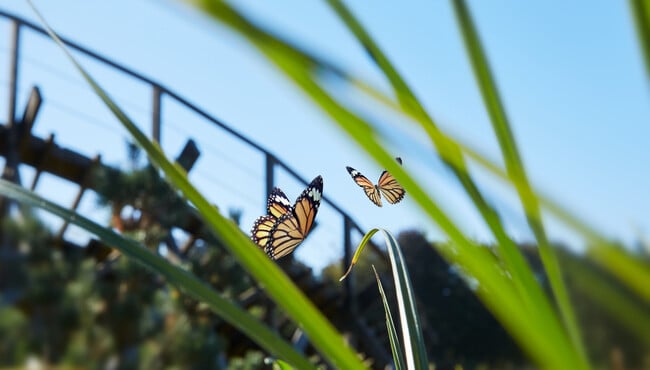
[571,77]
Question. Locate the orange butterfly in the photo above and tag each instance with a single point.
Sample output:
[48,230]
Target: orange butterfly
[386,186]
[285,226]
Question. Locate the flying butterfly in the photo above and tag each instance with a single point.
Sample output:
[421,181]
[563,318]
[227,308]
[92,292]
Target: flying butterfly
[386,186]
[285,226]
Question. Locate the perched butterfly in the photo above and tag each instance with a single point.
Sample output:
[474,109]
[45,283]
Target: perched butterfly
[387,185]
[285,226]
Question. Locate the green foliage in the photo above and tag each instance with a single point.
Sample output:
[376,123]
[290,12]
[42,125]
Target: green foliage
[65,309]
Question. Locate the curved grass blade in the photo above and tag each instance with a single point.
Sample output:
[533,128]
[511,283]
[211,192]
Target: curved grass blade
[515,168]
[176,276]
[395,346]
[357,254]
[414,350]
[320,331]
[413,339]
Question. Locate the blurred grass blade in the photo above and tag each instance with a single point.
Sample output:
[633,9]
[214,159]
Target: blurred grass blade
[281,365]
[635,278]
[535,301]
[182,279]
[620,262]
[321,333]
[616,259]
[631,314]
[641,15]
[515,168]
[395,346]
[495,290]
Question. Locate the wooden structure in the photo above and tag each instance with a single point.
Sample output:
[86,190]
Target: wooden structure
[20,147]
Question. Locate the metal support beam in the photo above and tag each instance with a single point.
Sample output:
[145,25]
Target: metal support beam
[14,53]
[348,284]
[155,113]
[10,171]
[270,174]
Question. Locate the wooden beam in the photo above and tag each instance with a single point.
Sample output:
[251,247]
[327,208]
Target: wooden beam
[49,143]
[82,189]
[47,156]
[189,155]
[31,112]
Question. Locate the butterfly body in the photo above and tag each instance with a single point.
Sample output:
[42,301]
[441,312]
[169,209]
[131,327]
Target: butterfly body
[285,226]
[387,186]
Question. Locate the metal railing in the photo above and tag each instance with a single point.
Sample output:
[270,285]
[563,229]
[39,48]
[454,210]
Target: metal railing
[158,91]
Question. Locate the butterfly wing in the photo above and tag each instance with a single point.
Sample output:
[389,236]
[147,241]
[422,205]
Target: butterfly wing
[367,186]
[278,204]
[389,187]
[261,231]
[292,228]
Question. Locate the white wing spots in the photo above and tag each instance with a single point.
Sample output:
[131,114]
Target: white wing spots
[315,194]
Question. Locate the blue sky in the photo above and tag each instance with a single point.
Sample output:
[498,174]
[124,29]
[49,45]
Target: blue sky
[571,78]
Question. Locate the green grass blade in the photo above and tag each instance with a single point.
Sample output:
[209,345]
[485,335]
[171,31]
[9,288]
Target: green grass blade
[258,37]
[416,354]
[395,346]
[619,262]
[641,15]
[630,270]
[497,291]
[360,248]
[632,315]
[536,303]
[180,278]
[515,168]
[320,331]
[281,365]
[414,348]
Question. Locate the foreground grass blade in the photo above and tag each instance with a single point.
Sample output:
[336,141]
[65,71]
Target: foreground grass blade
[535,302]
[611,256]
[321,333]
[395,346]
[515,168]
[635,277]
[414,348]
[182,279]
[631,314]
[411,327]
[495,288]
[641,15]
